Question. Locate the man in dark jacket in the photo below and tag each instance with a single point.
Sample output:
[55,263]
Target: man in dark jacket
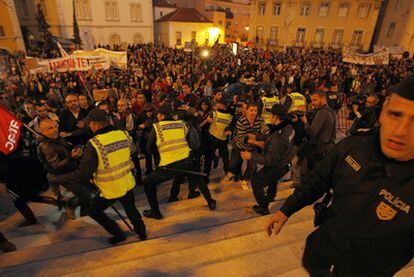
[365,118]
[58,158]
[368,228]
[276,156]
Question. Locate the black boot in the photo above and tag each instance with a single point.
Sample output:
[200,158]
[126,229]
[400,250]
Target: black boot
[193,194]
[117,238]
[260,210]
[212,205]
[7,246]
[152,214]
[172,199]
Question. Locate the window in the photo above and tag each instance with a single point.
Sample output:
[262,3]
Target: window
[112,11]
[391,29]
[2,34]
[357,38]
[319,34]
[324,9]
[276,8]
[228,10]
[262,8]
[161,14]
[25,8]
[82,9]
[363,10]
[178,38]
[300,35]
[398,4]
[343,10]
[136,12]
[273,33]
[194,35]
[305,9]
[337,37]
[220,22]
[259,33]
[228,24]
[43,4]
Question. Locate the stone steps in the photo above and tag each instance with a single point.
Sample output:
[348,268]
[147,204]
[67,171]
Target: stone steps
[92,237]
[177,253]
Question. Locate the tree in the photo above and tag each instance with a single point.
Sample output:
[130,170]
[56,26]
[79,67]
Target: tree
[76,36]
[43,28]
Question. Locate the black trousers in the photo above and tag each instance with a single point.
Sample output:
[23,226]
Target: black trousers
[99,204]
[267,177]
[221,146]
[322,253]
[236,163]
[163,174]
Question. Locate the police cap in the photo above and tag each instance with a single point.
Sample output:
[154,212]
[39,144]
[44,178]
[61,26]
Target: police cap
[97,115]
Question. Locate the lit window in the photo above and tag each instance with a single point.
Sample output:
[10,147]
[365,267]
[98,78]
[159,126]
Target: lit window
[357,38]
[136,12]
[343,10]
[337,37]
[324,9]
[262,8]
[319,34]
[300,35]
[305,9]
[277,8]
[112,11]
[363,10]
[178,38]
[273,33]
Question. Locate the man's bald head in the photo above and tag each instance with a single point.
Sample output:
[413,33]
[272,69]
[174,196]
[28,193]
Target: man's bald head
[122,105]
[49,128]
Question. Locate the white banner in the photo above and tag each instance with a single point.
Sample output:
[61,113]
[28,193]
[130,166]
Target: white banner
[380,57]
[114,58]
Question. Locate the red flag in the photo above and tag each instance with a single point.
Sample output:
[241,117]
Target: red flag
[10,128]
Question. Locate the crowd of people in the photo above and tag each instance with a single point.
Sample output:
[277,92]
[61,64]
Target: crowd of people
[275,110]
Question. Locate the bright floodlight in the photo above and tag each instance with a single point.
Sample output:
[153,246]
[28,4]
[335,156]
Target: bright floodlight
[205,53]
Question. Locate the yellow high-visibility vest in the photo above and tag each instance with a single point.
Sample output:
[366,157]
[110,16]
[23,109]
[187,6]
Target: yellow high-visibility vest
[298,102]
[220,122]
[113,175]
[268,103]
[171,141]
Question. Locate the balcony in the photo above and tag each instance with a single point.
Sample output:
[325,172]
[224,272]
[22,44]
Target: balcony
[296,43]
[355,46]
[273,42]
[316,44]
[335,45]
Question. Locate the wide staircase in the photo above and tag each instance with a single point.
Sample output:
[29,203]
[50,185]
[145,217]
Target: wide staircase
[190,241]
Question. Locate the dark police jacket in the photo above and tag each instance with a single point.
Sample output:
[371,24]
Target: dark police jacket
[372,213]
[278,150]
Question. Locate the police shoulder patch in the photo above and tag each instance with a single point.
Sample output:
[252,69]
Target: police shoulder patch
[353,163]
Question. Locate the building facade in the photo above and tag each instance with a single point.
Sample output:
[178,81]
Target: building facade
[162,8]
[186,25]
[234,18]
[397,26]
[313,23]
[11,38]
[100,21]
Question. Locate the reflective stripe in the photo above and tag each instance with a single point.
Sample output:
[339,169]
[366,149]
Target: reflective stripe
[173,141]
[102,151]
[172,148]
[116,177]
[115,168]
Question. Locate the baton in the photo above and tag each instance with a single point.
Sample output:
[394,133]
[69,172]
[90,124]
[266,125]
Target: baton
[185,171]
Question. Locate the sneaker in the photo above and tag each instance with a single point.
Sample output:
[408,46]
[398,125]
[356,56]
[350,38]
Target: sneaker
[212,205]
[152,214]
[117,238]
[193,194]
[7,246]
[226,179]
[260,210]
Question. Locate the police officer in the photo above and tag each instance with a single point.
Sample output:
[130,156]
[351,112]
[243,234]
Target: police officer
[266,104]
[320,132]
[107,160]
[170,137]
[368,228]
[219,131]
[276,155]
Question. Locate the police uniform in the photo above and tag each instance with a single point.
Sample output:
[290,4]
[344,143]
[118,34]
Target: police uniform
[369,227]
[218,139]
[294,102]
[268,103]
[170,137]
[275,158]
[107,160]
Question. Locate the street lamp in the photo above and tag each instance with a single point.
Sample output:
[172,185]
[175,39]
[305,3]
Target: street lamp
[205,53]
[247,28]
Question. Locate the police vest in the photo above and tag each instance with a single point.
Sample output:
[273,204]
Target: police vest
[298,102]
[113,175]
[220,122]
[268,103]
[171,141]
